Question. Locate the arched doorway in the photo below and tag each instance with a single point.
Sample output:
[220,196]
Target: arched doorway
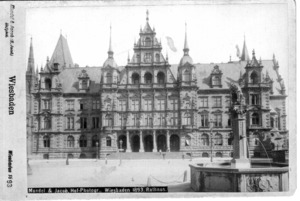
[148,143]
[135,143]
[124,142]
[161,143]
[174,143]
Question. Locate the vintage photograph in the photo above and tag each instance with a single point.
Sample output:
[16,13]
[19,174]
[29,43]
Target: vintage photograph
[161,98]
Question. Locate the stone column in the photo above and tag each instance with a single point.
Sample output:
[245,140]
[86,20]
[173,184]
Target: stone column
[168,141]
[141,142]
[128,144]
[154,141]
[240,159]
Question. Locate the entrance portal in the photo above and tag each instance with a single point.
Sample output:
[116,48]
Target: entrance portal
[161,143]
[174,143]
[124,142]
[135,143]
[148,143]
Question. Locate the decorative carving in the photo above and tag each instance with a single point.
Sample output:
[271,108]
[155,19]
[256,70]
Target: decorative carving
[262,183]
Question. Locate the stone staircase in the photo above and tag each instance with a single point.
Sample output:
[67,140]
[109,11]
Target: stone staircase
[146,155]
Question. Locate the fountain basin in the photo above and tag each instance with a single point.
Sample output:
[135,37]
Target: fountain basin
[221,177]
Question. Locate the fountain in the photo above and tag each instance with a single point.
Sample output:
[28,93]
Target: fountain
[241,174]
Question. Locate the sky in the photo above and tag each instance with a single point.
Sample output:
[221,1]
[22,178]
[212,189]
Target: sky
[213,31]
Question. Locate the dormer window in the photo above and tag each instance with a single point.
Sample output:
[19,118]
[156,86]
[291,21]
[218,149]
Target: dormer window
[48,83]
[186,76]
[216,80]
[161,78]
[135,78]
[108,78]
[55,66]
[148,41]
[216,77]
[84,80]
[254,78]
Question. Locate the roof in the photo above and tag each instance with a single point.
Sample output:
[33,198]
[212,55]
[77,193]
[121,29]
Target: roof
[70,83]
[62,54]
[231,73]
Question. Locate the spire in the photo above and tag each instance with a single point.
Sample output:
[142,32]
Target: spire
[186,47]
[254,61]
[147,13]
[110,51]
[245,55]
[30,66]
[61,54]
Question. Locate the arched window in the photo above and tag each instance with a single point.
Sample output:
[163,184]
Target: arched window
[135,78]
[47,123]
[147,41]
[70,141]
[255,119]
[254,77]
[82,156]
[48,84]
[46,140]
[108,78]
[219,155]
[70,156]
[157,58]
[205,155]
[218,139]
[95,141]
[108,141]
[148,78]
[205,139]
[187,140]
[46,156]
[82,141]
[186,76]
[161,78]
[216,80]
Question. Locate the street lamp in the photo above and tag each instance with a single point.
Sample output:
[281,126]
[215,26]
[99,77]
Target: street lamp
[120,150]
[97,145]
[211,122]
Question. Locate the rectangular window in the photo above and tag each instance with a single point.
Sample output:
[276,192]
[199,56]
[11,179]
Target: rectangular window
[70,122]
[96,121]
[96,104]
[186,119]
[161,104]
[83,105]
[148,105]
[135,120]
[228,101]
[122,105]
[217,101]
[254,98]
[83,122]
[174,104]
[174,119]
[122,120]
[218,120]
[204,102]
[46,104]
[148,121]
[204,120]
[135,105]
[162,120]
[70,104]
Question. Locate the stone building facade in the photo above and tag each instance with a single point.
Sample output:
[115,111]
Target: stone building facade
[150,105]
